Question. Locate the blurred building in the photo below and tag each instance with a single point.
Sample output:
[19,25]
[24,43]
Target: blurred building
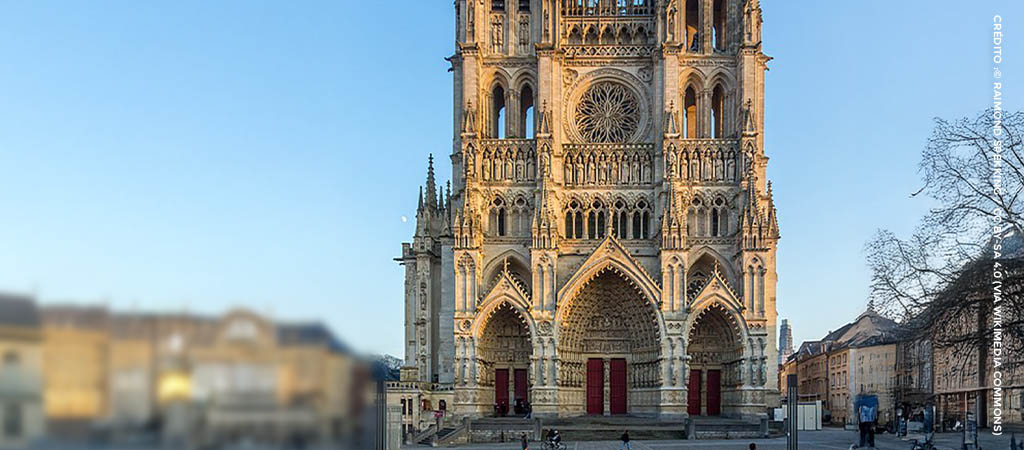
[21,395]
[785,341]
[195,377]
[857,359]
[965,366]
[811,373]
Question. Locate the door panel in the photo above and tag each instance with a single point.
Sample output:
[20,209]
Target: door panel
[617,383]
[595,386]
[693,393]
[521,387]
[501,388]
[714,392]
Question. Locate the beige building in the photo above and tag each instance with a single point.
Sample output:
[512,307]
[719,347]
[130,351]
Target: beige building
[839,387]
[239,374]
[857,359]
[21,364]
[607,243]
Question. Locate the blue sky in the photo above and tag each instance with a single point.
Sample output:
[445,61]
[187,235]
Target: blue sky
[200,156]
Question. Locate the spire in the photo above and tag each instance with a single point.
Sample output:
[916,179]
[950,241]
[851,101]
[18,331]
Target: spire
[420,198]
[431,188]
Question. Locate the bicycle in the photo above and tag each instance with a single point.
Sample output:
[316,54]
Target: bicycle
[926,445]
[551,445]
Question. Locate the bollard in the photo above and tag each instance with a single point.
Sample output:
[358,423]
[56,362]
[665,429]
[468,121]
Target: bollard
[793,408]
[691,429]
[764,427]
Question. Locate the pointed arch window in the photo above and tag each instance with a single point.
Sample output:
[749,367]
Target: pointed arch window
[718,25]
[499,218]
[690,113]
[498,112]
[692,25]
[526,111]
[636,224]
[721,228]
[717,112]
[645,223]
[620,220]
[574,220]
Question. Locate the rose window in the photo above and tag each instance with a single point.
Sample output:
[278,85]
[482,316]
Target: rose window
[607,112]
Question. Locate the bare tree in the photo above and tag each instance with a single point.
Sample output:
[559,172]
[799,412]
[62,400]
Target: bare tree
[939,280]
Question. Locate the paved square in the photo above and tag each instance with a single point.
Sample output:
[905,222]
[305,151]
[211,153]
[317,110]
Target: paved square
[825,439]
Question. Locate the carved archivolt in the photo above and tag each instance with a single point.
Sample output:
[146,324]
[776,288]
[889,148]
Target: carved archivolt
[610,317]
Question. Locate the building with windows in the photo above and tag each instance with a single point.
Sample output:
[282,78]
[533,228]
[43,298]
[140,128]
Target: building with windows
[240,374]
[21,393]
[811,361]
[607,242]
[857,359]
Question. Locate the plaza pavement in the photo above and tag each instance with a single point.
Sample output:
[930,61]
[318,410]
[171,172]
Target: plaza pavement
[827,439]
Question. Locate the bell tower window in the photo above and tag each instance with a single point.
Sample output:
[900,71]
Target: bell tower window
[498,111]
[717,105]
[718,25]
[692,25]
[690,113]
[526,120]
[497,5]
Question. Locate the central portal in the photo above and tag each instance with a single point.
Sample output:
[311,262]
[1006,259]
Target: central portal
[609,349]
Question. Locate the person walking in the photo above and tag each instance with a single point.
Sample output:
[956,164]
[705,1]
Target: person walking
[625,440]
[867,416]
[526,442]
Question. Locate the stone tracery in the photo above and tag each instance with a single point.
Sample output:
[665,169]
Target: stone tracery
[607,112]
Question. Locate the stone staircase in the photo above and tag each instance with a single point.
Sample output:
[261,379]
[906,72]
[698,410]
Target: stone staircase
[725,428]
[605,428]
[600,428]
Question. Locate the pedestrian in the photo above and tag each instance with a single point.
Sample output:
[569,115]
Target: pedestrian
[753,446]
[526,442]
[625,440]
[867,416]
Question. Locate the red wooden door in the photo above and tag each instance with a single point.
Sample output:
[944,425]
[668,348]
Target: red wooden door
[501,388]
[617,385]
[693,393]
[595,386]
[521,386]
[714,392]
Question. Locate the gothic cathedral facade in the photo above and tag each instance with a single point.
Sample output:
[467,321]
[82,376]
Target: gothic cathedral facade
[607,241]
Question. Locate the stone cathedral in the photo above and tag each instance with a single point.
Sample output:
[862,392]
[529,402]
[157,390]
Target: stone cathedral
[607,242]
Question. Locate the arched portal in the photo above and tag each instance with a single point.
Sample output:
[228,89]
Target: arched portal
[609,349]
[504,352]
[716,352]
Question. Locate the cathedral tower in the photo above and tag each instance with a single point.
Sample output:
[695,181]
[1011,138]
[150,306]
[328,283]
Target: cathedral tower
[608,245]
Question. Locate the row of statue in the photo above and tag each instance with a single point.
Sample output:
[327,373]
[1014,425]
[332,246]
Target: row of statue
[616,167]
